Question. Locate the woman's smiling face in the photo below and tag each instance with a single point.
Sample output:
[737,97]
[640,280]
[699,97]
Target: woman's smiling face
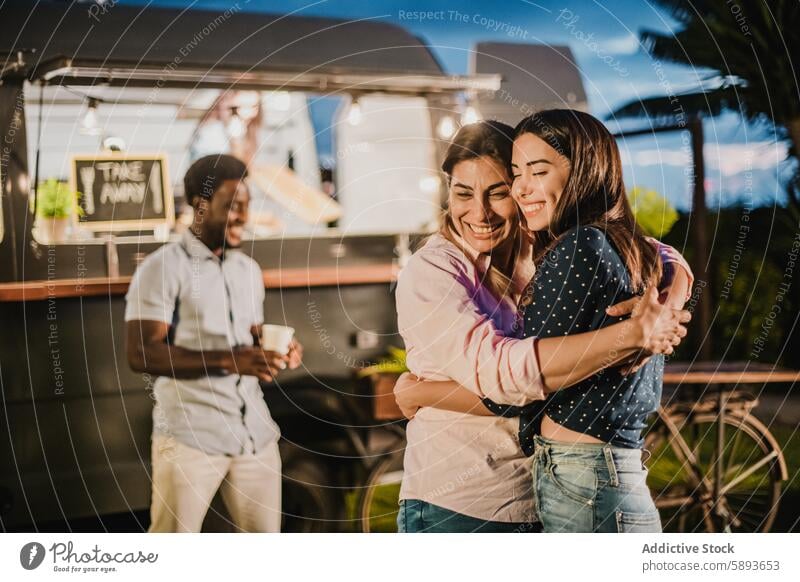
[540,175]
[481,206]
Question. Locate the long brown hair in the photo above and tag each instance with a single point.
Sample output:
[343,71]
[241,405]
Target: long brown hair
[594,194]
[494,140]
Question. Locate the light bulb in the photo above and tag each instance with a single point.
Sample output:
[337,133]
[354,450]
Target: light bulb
[429,184]
[114,144]
[354,113]
[470,115]
[446,127]
[235,127]
[89,124]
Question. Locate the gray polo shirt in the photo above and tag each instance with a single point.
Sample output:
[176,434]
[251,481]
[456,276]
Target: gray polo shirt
[211,304]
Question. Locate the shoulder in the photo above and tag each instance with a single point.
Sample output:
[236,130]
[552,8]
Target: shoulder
[583,243]
[585,238]
[161,262]
[437,256]
[583,252]
[248,266]
[157,280]
[439,269]
[245,262]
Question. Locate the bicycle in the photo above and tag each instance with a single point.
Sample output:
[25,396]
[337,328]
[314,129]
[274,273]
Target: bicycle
[728,483]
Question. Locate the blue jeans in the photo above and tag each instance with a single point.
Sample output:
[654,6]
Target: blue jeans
[592,488]
[417,516]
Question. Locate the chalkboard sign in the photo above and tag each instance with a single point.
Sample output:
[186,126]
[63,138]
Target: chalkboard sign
[123,192]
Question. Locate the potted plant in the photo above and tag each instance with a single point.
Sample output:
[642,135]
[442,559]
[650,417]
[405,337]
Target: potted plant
[56,204]
[383,375]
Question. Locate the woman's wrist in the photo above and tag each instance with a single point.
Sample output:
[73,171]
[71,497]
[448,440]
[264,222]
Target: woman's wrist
[634,334]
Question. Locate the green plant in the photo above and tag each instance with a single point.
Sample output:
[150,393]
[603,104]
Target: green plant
[653,211]
[54,199]
[394,363]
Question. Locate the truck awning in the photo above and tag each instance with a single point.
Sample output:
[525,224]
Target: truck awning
[78,43]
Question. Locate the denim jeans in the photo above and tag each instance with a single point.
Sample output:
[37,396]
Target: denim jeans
[417,516]
[592,488]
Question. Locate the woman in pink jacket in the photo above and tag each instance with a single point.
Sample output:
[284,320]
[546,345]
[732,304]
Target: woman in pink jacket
[458,314]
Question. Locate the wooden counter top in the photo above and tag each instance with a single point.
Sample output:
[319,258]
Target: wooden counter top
[681,373]
[273,279]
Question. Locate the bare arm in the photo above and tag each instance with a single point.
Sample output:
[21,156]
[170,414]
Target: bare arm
[148,352]
[412,393]
[676,294]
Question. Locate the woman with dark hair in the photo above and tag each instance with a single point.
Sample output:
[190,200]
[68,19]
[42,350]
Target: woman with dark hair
[588,470]
[457,302]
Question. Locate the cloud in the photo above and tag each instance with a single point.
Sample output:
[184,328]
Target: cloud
[731,159]
[727,159]
[626,44]
[659,157]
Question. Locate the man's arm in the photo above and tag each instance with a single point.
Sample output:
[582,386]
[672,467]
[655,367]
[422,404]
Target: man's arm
[148,351]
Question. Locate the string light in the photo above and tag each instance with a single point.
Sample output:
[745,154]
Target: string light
[354,113]
[446,127]
[235,127]
[89,124]
[114,144]
[470,115]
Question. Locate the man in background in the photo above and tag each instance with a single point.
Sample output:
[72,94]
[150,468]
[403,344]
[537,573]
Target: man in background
[194,313]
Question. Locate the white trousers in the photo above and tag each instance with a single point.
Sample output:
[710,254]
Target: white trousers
[185,481]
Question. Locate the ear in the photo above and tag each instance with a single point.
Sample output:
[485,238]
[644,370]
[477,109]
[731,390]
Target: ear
[200,203]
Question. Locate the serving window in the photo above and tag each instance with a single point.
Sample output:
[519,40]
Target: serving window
[112,159]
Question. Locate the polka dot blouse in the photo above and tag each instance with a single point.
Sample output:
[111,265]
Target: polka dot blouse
[574,283]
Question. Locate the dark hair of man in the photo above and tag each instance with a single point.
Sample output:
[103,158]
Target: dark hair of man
[207,174]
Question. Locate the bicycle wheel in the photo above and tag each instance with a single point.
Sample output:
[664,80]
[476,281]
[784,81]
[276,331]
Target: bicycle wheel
[751,478]
[379,503]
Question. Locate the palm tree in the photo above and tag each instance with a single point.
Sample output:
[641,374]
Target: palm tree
[749,54]
[752,50]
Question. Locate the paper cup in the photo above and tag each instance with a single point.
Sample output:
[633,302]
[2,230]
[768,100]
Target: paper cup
[276,338]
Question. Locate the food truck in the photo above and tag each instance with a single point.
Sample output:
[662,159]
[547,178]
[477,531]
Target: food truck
[342,124]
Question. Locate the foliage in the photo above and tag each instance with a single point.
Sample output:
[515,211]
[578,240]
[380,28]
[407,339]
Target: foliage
[395,363]
[653,212]
[734,43]
[754,290]
[749,48]
[54,199]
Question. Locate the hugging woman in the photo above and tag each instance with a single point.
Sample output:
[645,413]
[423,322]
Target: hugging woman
[459,313]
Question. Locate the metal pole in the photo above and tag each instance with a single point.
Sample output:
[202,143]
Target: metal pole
[697,226]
